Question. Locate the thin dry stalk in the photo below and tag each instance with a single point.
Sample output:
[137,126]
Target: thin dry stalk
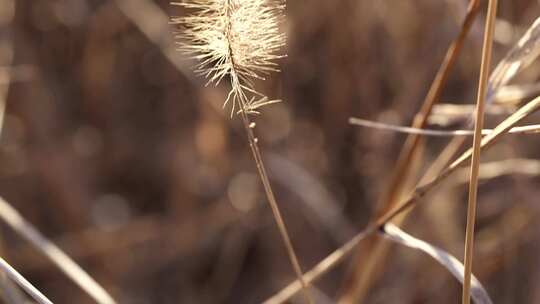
[23,283]
[438,133]
[359,283]
[443,159]
[21,226]
[10,292]
[340,254]
[273,203]
[475,162]
[238,39]
[421,119]
[487,141]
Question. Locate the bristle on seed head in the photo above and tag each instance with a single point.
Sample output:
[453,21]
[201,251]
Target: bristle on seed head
[235,39]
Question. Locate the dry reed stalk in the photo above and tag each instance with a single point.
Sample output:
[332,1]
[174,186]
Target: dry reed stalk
[529,129]
[341,253]
[10,291]
[519,57]
[443,159]
[238,40]
[359,282]
[420,121]
[486,142]
[23,283]
[72,270]
[475,162]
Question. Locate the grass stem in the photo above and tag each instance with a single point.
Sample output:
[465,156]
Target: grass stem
[477,141]
[273,203]
[364,275]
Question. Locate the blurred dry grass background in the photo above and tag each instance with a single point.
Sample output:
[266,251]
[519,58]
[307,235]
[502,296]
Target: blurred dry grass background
[128,163]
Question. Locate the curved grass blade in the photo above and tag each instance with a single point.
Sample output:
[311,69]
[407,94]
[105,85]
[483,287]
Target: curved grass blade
[455,267]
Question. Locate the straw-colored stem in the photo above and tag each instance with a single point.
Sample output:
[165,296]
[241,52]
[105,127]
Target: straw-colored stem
[413,141]
[25,229]
[238,93]
[475,162]
[23,283]
[273,204]
[528,129]
[340,254]
[363,275]
[252,139]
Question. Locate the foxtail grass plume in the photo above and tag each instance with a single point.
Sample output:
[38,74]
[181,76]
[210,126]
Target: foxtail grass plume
[234,39]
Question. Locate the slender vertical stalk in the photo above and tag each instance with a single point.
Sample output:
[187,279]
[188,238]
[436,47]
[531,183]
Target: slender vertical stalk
[239,40]
[365,272]
[412,200]
[257,157]
[475,162]
[273,204]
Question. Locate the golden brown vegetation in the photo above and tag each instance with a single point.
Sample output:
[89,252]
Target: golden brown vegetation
[116,158]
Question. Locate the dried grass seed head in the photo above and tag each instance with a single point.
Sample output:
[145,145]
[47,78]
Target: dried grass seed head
[235,39]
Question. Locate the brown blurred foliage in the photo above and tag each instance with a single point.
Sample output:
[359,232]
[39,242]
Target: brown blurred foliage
[129,163]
